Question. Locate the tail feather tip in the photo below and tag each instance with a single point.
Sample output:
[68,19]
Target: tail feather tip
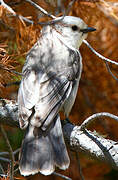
[45,172]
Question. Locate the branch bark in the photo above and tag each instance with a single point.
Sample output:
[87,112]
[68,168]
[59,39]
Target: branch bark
[78,139]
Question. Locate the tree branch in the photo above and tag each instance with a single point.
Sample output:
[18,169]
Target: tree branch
[9,113]
[96,146]
[40,8]
[95,116]
[79,140]
[98,54]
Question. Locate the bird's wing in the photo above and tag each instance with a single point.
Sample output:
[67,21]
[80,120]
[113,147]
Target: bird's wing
[41,96]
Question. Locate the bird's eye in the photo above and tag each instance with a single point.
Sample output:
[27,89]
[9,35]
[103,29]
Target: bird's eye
[74,28]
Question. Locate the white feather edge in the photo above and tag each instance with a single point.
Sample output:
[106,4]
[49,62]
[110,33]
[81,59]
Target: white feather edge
[44,172]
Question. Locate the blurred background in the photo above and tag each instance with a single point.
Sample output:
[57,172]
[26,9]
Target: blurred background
[97,91]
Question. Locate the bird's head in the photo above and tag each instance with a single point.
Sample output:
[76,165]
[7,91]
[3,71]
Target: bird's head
[74,30]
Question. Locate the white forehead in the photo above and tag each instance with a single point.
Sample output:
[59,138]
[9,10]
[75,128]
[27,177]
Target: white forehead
[71,20]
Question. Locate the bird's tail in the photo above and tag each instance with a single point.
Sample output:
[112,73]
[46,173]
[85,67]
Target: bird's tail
[43,150]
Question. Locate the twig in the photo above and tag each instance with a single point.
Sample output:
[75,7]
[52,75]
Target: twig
[60,7]
[98,54]
[95,116]
[79,165]
[62,176]
[17,169]
[4,153]
[102,57]
[16,151]
[8,160]
[12,71]
[7,153]
[25,19]
[2,3]
[69,7]
[5,159]
[109,70]
[10,152]
[55,19]
[2,169]
[40,8]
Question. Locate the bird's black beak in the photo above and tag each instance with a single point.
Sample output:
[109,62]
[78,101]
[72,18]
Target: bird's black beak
[88,29]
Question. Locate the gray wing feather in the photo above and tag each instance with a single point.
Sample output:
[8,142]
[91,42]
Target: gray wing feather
[41,96]
[27,97]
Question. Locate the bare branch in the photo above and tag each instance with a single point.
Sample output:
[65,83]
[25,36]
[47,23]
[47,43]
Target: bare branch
[22,18]
[79,166]
[109,70]
[62,176]
[12,71]
[70,6]
[98,54]
[9,113]
[95,116]
[5,159]
[16,151]
[25,19]
[2,169]
[4,153]
[54,21]
[40,9]
[2,3]
[95,146]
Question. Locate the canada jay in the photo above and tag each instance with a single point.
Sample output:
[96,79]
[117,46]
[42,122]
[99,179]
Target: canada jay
[51,77]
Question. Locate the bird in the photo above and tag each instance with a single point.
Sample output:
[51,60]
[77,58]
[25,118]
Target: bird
[51,75]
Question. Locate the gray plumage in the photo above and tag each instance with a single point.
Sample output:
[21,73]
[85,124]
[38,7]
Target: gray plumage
[51,77]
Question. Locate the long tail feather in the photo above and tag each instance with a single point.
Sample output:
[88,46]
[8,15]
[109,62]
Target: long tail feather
[43,150]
